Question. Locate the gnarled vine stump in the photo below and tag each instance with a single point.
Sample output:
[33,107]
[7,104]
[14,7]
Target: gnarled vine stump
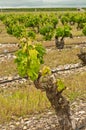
[82,56]
[59,43]
[58,102]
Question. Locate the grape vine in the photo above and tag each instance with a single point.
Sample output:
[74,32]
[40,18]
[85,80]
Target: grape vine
[29,58]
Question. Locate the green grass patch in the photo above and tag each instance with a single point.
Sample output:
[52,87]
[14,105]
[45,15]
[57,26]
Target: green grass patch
[76,86]
[7,68]
[21,102]
[66,56]
[25,99]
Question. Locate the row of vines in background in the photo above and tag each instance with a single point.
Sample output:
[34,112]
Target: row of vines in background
[47,25]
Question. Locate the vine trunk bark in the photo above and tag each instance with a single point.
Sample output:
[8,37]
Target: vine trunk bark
[59,42]
[58,102]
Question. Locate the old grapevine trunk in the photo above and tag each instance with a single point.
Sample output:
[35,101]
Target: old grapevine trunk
[59,42]
[58,102]
[82,57]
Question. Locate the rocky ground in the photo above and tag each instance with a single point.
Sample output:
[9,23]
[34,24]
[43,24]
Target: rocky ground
[48,120]
[64,70]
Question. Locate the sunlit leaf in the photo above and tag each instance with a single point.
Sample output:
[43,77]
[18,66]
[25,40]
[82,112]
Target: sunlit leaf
[60,85]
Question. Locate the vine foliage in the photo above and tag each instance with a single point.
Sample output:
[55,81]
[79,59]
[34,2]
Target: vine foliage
[29,58]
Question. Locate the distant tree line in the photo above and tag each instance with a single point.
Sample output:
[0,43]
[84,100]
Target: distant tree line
[37,9]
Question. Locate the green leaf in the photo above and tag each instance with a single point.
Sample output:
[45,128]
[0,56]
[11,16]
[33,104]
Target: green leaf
[46,70]
[29,58]
[59,32]
[41,51]
[60,85]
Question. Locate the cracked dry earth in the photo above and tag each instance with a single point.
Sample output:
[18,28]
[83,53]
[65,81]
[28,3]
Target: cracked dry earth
[48,120]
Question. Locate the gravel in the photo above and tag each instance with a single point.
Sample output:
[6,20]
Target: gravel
[48,120]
